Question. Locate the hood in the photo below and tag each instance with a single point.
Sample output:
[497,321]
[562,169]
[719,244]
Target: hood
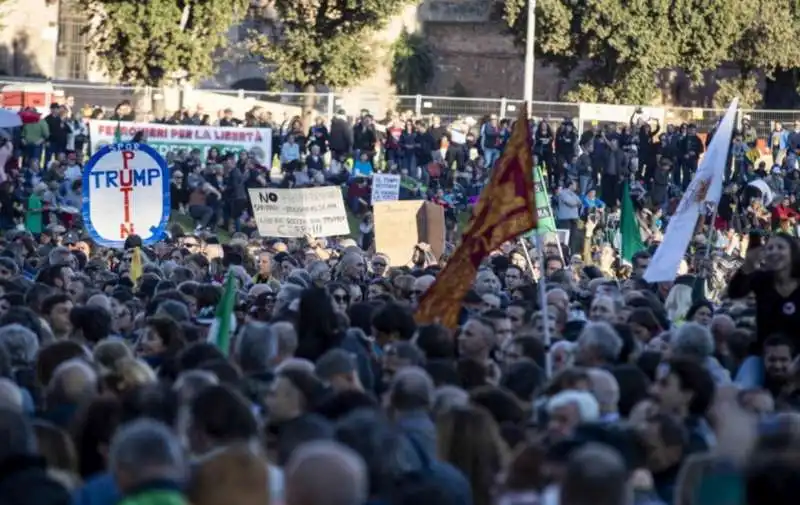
[29,117]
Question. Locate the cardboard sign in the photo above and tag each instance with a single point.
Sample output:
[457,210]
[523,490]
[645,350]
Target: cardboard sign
[401,225]
[385,188]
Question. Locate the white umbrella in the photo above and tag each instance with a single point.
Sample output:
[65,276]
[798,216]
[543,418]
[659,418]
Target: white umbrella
[766,192]
[9,119]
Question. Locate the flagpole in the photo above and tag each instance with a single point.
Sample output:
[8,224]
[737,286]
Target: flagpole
[541,284]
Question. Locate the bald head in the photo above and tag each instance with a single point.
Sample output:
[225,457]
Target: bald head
[605,389]
[72,381]
[10,395]
[325,473]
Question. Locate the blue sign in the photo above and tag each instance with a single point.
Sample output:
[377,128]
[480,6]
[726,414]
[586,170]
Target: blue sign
[126,191]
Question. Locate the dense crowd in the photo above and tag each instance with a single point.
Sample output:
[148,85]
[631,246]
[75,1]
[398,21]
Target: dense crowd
[329,392]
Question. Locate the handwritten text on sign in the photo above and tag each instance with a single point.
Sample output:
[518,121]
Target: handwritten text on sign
[318,212]
[125,192]
[385,187]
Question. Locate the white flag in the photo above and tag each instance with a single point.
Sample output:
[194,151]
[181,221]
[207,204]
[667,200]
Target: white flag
[705,189]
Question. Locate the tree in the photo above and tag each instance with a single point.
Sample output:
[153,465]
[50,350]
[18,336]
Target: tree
[412,63]
[146,42]
[745,87]
[612,50]
[617,46]
[322,43]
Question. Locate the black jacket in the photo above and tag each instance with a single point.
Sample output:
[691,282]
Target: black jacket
[24,481]
[341,136]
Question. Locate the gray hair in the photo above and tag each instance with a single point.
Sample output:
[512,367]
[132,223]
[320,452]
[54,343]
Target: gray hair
[342,470]
[317,269]
[411,389]
[299,277]
[257,347]
[191,382]
[605,389]
[595,474]
[448,397]
[603,338]
[59,256]
[143,446]
[693,340]
[286,335]
[20,343]
[299,364]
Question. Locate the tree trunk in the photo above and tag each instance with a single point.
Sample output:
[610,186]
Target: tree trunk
[309,102]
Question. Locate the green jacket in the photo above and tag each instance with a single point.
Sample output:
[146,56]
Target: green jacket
[155,496]
[34,132]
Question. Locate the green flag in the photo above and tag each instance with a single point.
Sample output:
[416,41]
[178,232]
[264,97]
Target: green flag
[547,224]
[631,238]
[118,133]
[220,332]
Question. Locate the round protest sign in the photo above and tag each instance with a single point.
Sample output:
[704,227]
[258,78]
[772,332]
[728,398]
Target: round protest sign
[125,192]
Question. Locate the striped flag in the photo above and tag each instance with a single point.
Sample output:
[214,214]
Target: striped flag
[220,332]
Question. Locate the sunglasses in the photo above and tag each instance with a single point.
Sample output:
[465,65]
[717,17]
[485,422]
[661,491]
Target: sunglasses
[341,298]
[378,264]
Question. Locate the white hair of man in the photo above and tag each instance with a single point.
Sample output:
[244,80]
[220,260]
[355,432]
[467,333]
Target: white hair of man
[10,395]
[448,397]
[411,389]
[256,347]
[605,389]
[586,404]
[603,339]
[145,450]
[286,335]
[21,344]
[298,364]
[325,473]
[692,340]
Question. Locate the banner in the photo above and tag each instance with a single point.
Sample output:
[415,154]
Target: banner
[126,192]
[704,190]
[385,188]
[547,223]
[318,212]
[165,138]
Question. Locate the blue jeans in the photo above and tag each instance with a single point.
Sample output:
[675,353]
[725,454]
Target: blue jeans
[32,152]
[750,373]
[584,181]
[491,156]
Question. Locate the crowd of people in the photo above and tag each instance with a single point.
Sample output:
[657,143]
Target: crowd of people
[330,393]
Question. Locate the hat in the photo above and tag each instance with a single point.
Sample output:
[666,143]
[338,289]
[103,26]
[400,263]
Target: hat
[280,247]
[71,238]
[347,242]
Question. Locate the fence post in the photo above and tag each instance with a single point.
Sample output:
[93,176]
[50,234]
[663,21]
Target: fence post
[331,105]
[503,105]
[418,106]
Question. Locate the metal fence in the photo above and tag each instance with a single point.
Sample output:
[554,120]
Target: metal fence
[325,104]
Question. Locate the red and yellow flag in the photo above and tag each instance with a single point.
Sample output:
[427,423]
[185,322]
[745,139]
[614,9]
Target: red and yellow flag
[504,210]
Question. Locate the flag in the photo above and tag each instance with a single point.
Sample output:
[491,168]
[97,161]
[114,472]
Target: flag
[118,133]
[629,227]
[705,189]
[544,212]
[136,269]
[504,211]
[220,332]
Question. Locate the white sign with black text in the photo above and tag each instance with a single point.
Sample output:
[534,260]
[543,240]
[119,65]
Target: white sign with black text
[385,188]
[319,212]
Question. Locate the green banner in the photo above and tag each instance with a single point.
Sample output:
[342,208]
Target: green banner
[547,224]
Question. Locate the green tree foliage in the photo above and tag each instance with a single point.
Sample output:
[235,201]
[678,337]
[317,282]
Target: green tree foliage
[614,50]
[412,63]
[147,41]
[745,87]
[322,42]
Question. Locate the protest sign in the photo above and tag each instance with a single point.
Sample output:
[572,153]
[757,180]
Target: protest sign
[165,138]
[385,188]
[318,212]
[401,225]
[126,192]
